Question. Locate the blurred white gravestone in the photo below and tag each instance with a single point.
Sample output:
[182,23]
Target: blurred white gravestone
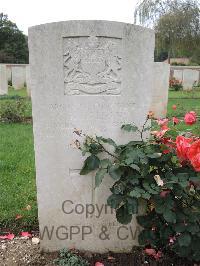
[160,90]
[3,80]
[190,78]
[18,76]
[178,74]
[9,73]
[87,75]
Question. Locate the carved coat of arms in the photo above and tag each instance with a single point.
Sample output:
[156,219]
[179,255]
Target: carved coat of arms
[92,65]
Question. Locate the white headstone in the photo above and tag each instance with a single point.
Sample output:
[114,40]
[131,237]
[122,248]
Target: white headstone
[3,80]
[9,72]
[178,74]
[190,77]
[28,81]
[161,88]
[18,76]
[87,75]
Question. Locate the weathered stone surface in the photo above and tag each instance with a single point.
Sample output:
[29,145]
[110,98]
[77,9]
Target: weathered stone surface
[190,77]
[18,76]
[87,75]
[160,90]
[3,80]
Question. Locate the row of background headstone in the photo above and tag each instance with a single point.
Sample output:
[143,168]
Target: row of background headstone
[19,76]
[16,74]
[189,75]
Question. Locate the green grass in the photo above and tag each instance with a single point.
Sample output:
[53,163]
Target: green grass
[14,95]
[183,106]
[21,92]
[17,170]
[17,176]
[184,94]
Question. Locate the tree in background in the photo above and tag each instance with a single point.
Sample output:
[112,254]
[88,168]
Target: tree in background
[13,43]
[177,27]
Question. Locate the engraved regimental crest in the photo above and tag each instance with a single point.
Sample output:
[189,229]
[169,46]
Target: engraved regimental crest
[92,65]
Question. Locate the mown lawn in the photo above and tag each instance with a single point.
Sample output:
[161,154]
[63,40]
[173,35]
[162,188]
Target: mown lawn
[185,104]
[17,170]
[17,175]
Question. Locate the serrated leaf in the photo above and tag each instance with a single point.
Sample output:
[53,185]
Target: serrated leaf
[146,195]
[114,201]
[99,176]
[135,194]
[90,164]
[115,172]
[108,141]
[132,205]
[105,163]
[123,216]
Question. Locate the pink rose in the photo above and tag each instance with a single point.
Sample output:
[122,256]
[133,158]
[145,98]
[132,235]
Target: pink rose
[182,147]
[194,155]
[162,122]
[190,118]
[164,193]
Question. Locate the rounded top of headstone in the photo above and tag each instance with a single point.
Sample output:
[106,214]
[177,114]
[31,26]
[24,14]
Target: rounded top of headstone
[91,24]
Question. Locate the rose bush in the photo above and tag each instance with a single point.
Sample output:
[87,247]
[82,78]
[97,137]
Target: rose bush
[162,173]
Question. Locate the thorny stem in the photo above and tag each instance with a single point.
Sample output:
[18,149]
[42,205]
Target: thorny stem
[143,128]
[109,153]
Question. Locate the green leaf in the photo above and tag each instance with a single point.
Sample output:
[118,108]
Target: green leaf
[129,128]
[115,172]
[183,176]
[134,180]
[118,188]
[99,176]
[105,163]
[108,141]
[193,228]
[135,167]
[184,240]
[183,184]
[147,128]
[195,178]
[132,205]
[146,195]
[169,216]
[90,164]
[179,228]
[154,155]
[123,215]
[95,148]
[114,201]
[135,194]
